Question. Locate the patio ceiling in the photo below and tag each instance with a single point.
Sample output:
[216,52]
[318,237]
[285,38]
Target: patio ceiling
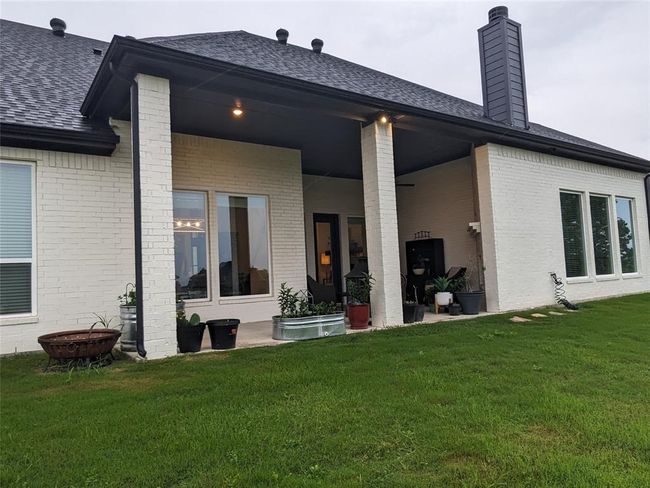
[329,139]
[326,130]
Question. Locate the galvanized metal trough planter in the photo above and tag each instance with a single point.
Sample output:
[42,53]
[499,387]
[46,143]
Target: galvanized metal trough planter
[314,327]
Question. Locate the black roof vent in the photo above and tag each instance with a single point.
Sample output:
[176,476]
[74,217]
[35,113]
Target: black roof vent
[502,70]
[58,27]
[497,12]
[130,37]
[282,35]
[97,51]
[317,45]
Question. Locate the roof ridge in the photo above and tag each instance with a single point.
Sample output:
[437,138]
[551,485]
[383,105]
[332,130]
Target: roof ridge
[296,46]
[187,36]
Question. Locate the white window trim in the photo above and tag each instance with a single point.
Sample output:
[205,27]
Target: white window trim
[612,252]
[585,238]
[635,240]
[33,260]
[207,244]
[245,298]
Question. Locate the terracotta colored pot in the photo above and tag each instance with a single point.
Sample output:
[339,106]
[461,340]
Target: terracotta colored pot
[358,315]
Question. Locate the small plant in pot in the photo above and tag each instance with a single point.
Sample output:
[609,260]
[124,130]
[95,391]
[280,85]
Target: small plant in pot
[443,287]
[469,298]
[189,332]
[128,317]
[301,319]
[412,310]
[359,301]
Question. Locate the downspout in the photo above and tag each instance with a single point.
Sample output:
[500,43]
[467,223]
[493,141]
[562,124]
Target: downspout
[137,221]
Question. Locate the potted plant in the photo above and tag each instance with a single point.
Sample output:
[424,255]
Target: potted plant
[128,318]
[359,301]
[468,298]
[301,319]
[443,295]
[412,310]
[189,332]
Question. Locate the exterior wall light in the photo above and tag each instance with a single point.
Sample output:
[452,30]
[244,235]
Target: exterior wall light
[237,112]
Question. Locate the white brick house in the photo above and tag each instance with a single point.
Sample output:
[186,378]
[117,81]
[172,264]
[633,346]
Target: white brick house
[216,175]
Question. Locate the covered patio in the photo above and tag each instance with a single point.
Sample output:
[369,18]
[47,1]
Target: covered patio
[235,177]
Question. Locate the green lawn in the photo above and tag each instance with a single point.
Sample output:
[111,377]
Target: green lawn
[560,401]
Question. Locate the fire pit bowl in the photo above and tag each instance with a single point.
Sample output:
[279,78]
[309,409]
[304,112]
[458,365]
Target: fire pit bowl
[79,344]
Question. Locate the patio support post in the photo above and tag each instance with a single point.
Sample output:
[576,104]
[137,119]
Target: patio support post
[157,283]
[381,223]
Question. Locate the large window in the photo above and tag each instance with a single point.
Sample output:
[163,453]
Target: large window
[243,226]
[601,234]
[624,215]
[573,233]
[190,245]
[17,270]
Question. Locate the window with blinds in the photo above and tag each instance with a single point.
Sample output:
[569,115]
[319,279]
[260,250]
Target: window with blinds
[601,234]
[573,233]
[16,238]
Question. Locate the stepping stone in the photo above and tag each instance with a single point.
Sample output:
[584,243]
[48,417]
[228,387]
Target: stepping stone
[537,315]
[518,319]
[555,313]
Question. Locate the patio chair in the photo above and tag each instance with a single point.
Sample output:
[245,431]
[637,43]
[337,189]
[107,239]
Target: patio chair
[320,292]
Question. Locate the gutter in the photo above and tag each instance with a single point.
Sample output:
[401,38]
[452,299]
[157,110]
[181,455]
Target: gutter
[33,137]
[137,222]
[489,132]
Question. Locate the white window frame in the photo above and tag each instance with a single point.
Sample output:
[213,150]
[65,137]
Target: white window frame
[244,298]
[206,207]
[592,255]
[586,228]
[635,240]
[33,259]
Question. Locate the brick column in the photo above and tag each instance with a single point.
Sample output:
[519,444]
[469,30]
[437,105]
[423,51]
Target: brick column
[486,212]
[158,275]
[381,223]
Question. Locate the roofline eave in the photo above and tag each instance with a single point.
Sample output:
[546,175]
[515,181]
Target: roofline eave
[486,131]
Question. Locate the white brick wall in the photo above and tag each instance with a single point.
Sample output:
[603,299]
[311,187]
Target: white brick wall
[522,228]
[84,232]
[158,277]
[381,223]
[216,165]
[441,202]
[341,196]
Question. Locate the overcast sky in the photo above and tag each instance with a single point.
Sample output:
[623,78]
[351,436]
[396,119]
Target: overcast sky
[587,63]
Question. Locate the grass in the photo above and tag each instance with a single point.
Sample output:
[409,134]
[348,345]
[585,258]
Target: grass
[558,401]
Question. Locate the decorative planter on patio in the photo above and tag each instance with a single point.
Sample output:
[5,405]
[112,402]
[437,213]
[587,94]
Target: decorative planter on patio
[314,327]
[413,312]
[128,319]
[189,337]
[470,301]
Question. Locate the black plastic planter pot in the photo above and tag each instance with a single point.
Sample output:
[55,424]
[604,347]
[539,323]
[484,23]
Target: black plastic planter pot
[223,333]
[190,337]
[470,301]
[413,312]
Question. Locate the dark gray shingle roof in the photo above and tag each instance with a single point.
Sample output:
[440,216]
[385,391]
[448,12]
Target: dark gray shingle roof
[264,54]
[44,78]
